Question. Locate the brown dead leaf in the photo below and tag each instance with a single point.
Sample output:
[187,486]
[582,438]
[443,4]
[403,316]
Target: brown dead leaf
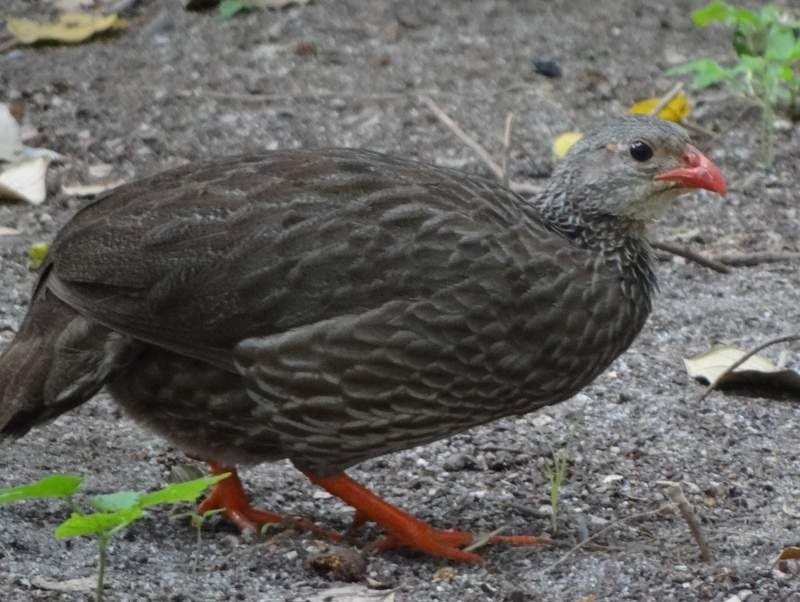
[790,553]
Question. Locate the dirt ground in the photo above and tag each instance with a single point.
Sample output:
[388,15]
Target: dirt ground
[177,86]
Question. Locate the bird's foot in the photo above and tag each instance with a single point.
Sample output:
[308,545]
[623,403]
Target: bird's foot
[229,495]
[405,531]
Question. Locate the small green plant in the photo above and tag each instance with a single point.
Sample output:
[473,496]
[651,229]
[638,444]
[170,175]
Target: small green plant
[767,69]
[556,473]
[112,512]
[198,520]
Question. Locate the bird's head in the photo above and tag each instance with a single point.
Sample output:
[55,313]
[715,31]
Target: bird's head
[631,168]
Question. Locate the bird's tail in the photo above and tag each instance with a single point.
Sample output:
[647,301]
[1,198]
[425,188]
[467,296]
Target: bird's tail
[58,360]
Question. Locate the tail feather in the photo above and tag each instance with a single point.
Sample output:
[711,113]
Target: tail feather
[58,360]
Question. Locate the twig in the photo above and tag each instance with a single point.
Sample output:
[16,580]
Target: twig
[507,149]
[751,259]
[8,45]
[306,95]
[687,253]
[463,136]
[784,339]
[675,494]
[484,539]
[667,98]
[602,531]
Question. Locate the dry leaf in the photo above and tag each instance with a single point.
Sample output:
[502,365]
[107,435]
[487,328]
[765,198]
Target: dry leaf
[445,573]
[10,137]
[81,190]
[791,553]
[353,593]
[25,181]
[706,367]
[8,231]
[564,142]
[676,109]
[69,28]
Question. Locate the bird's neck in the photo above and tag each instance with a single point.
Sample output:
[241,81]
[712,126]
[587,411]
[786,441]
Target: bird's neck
[621,242]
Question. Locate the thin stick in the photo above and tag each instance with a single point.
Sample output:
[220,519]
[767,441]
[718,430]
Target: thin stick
[483,540]
[602,531]
[507,149]
[666,99]
[784,339]
[676,496]
[8,45]
[463,136]
[307,95]
[687,253]
[751,259]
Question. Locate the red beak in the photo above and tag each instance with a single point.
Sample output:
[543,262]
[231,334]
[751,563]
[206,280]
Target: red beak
[699,172]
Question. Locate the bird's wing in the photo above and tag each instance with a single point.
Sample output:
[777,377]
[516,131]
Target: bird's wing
[202,257]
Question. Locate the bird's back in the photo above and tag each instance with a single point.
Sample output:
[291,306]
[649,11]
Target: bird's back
[343,303]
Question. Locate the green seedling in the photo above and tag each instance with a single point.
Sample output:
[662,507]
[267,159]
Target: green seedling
[198,520]
[37,255]
[53,486]
[767,68]
[113,512]
[556,473]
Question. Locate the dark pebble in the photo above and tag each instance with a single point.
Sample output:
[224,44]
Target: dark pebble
[547,68]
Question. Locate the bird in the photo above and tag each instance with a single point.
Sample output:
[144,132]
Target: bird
[328,306]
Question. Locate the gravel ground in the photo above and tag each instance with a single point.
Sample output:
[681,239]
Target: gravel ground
[177,86]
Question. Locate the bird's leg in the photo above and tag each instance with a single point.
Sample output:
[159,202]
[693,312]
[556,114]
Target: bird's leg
[402,529]
[228,495]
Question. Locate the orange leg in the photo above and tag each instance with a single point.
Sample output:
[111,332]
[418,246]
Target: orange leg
[403,530]
[228,494]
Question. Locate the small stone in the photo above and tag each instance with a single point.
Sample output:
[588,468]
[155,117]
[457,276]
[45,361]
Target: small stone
[339,563]
[547,67]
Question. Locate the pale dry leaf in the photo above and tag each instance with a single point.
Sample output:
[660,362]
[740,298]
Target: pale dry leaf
[68,28]
[81,190]
[81,584]
[708,366]
[8,231]
[353,593]
[25,181]
[10,138]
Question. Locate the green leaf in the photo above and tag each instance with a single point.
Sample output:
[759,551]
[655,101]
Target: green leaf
[52,486]
[706,72]
[116,501]
[99,523]
[780,43]
[180,492]
[229,8]
[711,13]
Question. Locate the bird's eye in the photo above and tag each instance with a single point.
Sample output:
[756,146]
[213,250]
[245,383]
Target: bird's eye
[641,151]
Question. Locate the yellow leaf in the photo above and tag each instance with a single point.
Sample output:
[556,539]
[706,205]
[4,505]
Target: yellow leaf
[70,28]
[564,142]
[676,109]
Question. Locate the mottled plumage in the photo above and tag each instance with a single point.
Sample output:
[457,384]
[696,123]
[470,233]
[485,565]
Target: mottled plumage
[329,306]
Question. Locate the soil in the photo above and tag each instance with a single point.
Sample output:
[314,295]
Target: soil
[176,86]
